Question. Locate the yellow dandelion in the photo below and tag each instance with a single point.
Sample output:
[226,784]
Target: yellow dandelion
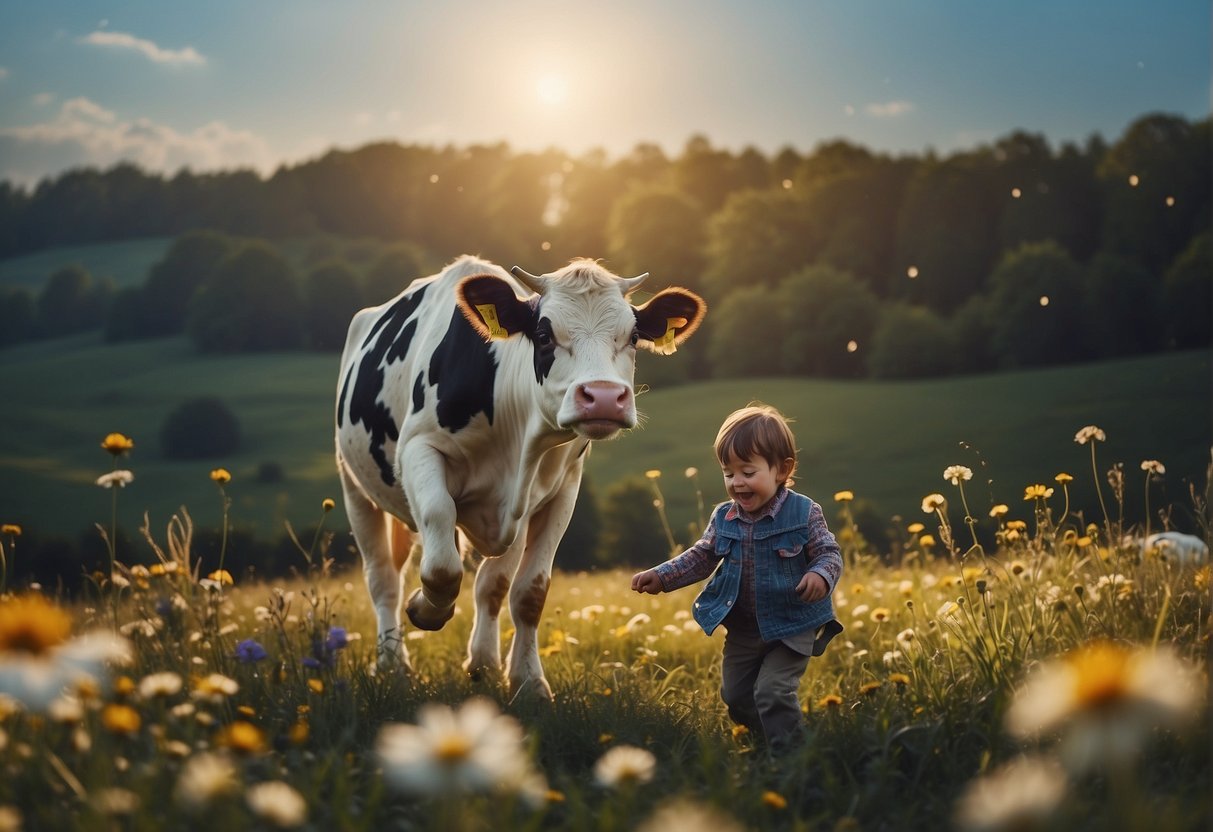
[830,700]
[1037,492]
[899,679]
[328,504]
[315,685]
[121,719]
[1201,578]
[605,739]
[1063,478]
[1017,525]
[774,800]
[869,688]
[124,685]
[242,736]
[11,529]
[221,576]
[117,444]
[1083,542]
[653,473]
[999,510]
[691,473]
[915,528]
[553,796]
[926,541]
[299,732]
[880,614]
[933,502]
[844,497]
[740,731]
[221,476]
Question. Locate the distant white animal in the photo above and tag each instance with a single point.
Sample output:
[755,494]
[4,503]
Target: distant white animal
[1182,549]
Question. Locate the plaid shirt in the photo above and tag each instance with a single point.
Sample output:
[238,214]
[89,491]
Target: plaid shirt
[700,560]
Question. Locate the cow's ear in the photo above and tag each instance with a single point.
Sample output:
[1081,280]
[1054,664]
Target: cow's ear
[669,318]
[492,308]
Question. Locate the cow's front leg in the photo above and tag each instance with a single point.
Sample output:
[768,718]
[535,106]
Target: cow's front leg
[492,585]
[530,590]
[433,604]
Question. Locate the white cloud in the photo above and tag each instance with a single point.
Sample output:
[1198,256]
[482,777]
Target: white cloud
[84,133]
[124,40]
[3,72]
[43,99]
[889,109]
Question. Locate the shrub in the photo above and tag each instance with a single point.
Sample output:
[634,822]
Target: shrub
[251,303]
[632,532]
[201,428]
[912,342]
[821,310]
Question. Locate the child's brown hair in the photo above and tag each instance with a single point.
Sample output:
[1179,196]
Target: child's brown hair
[757,430]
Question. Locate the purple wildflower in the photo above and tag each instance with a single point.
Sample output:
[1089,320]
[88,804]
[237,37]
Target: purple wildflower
[248,651]
[337,639]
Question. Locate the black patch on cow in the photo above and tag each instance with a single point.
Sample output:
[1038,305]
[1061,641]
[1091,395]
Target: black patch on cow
[419,392]
[463,373]
[392,338]
[345,388]
[545,348]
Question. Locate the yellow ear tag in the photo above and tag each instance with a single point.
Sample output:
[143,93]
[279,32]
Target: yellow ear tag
[488,313]
[665,344]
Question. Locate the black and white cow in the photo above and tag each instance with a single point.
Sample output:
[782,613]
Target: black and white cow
[467,404]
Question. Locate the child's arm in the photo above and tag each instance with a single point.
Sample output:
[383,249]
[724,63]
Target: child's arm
[825,559]
[647,581]
[693,565]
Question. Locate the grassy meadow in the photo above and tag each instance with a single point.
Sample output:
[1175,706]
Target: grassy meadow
[882,440]
[1053,683]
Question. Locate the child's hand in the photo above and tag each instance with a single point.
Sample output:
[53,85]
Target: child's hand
[646,581]
[812,587]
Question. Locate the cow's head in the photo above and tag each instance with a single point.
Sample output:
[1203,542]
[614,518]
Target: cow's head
[583,333]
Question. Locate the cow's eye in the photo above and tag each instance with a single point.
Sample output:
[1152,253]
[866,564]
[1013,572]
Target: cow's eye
[543,338]
[635,337]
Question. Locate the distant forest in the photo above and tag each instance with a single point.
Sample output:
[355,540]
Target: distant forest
[839,262]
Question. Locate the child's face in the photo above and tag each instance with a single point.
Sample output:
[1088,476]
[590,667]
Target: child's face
[753,482]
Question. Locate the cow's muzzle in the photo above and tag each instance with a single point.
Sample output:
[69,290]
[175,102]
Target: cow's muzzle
[602,408]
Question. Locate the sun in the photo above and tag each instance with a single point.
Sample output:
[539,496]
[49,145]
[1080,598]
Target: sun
[552,89]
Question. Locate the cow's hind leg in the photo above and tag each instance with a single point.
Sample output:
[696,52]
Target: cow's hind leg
[492,586]
[433,604]
[384,545]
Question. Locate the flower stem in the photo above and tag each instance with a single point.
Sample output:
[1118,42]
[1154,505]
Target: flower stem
[1099,491]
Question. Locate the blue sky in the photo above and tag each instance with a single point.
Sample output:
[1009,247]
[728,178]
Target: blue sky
[230,83]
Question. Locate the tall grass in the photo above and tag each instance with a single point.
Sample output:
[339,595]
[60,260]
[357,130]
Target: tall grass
[908,714]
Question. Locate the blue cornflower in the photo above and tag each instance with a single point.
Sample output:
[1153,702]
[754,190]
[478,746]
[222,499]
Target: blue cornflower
[250,651]
[337,639]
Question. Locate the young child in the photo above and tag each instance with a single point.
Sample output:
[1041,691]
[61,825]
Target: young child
[775,564]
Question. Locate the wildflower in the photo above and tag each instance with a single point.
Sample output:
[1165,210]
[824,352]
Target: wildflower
[242,736]
[157,685]
[869,688]
[115,801]
[999,510]
[1023,794]
[117,444]
[624,765]
[1153,466]
[215,688]
[11,529]
[653,474]
[121,719]
[328,504]
[205,777]
[249,651]
[473,749]
[120,477]
[221,476]
[1105,699]
[955,473]
[899,679]
[277,803]
[338,638]
[315,685]
[844,497]
[684,815]
[10,819]
[830,700]
[691,473]
[915,528]
[1037,492]
[906,638]
[926,541]
[1088,433]
[221,577]
[880,614]
[933,502]
[65,709]
[1063,478]
[773,799]
[39,660]
[1018,567]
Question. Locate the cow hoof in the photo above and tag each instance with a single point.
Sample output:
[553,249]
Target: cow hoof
[482,672]
[426,616]
[535,689]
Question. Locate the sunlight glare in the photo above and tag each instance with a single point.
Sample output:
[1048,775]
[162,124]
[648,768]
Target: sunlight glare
[552,89]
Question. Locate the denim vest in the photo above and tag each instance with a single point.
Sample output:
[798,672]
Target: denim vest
[779,563]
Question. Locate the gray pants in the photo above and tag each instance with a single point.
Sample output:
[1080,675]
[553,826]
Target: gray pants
[759,681]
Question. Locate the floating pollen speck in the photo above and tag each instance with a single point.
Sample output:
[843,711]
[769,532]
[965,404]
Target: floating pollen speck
[852,346]
[912,272]
[1133,180]
[1016,193]
[1044,300]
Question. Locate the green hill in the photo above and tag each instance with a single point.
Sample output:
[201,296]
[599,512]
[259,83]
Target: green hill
[126,262]
[888,442]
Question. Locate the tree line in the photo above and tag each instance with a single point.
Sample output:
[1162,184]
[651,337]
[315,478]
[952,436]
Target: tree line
[845,262]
